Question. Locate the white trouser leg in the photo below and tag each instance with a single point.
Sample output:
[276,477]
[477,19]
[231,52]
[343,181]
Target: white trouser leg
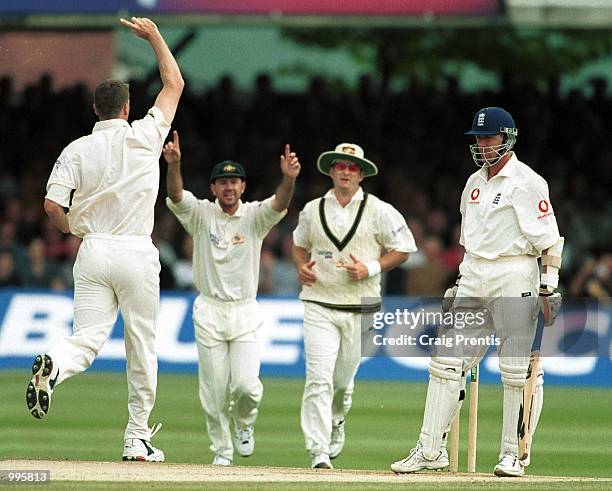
[321,346]
[95,313]
[347,363]
[214,376]
[245,387]
[136,282]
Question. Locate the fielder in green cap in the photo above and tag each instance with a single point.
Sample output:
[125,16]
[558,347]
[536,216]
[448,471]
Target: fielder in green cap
[227,238]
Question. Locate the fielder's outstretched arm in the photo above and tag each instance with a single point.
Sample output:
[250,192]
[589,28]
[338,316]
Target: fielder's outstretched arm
[290,167]
[174,178]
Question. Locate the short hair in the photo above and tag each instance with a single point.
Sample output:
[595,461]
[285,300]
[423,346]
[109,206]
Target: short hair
[109,98]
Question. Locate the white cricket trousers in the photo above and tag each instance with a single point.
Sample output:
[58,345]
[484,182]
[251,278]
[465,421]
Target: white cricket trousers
[332,344]
[112,272]
[228,368]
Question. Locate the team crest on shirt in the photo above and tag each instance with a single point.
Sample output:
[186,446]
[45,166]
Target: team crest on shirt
[238,239]
[496,199]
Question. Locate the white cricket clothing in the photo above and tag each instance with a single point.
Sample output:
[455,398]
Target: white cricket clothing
[380,226]
[112,272]
[229,385]
[226,316]
[226,248]
[114,173]
[332,344]
[332,337]
[507,215]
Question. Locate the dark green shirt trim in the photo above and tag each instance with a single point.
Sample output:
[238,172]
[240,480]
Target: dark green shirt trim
[357,309]
[341,244]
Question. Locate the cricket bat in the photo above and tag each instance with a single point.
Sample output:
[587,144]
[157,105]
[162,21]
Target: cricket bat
[525,420]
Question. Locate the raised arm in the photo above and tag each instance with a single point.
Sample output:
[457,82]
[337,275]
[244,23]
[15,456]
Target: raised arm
[174,178]
[172,81]
[290,167]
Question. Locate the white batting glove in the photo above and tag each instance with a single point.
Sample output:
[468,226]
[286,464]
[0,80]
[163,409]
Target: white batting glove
[449,298]
[550,306]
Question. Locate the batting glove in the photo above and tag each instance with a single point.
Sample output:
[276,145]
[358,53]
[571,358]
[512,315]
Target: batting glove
[550,305]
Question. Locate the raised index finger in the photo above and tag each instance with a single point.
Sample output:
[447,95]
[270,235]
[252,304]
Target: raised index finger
[126,23]
[175,137]
[287,150]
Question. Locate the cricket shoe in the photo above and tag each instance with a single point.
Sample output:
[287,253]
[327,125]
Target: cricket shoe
[244,441]
[321,461]
[336,443]
[220,460]
[40,388]
[140,450]
[509,466]
[416,461]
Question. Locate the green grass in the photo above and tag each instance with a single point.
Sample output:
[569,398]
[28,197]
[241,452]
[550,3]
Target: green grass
[89,412]
[327,486]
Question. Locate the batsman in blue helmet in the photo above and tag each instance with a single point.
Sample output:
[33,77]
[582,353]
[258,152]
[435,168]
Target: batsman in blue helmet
[507,224]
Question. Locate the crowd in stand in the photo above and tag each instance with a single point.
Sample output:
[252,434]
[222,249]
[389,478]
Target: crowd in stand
[415,136]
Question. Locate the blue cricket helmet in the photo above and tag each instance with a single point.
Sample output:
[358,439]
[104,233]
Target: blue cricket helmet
[490,121]
[493,121]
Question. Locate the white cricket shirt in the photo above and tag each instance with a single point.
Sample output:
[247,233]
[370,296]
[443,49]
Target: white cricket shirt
[507,215]
[226,248]
[114,173]
[380,227]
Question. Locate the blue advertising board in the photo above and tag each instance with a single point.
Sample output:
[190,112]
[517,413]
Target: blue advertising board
[32,321]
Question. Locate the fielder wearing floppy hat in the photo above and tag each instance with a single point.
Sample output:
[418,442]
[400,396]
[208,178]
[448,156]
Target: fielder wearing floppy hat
[227,168]
[346,152]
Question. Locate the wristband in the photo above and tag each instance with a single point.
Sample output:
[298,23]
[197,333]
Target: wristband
[373,268]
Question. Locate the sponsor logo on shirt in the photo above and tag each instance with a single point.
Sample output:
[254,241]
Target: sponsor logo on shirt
[325,254]
[543,206]
[474,196]
[215,239]
[58,163]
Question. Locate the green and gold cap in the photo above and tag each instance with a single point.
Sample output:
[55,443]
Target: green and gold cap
[227,168]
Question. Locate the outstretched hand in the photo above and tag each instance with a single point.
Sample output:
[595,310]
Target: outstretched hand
[172,150]
[141,26]
[290,164]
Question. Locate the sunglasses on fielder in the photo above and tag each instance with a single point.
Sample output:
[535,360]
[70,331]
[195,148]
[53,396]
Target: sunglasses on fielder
[341,165]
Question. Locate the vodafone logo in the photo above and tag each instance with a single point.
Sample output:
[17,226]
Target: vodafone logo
[543,206]
[474,194]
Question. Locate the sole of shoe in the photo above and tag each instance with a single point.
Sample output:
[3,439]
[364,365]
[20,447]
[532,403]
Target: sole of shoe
[322,465]
[399,470]
[333,455]
[140,458]
[38,393]
[504,473]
